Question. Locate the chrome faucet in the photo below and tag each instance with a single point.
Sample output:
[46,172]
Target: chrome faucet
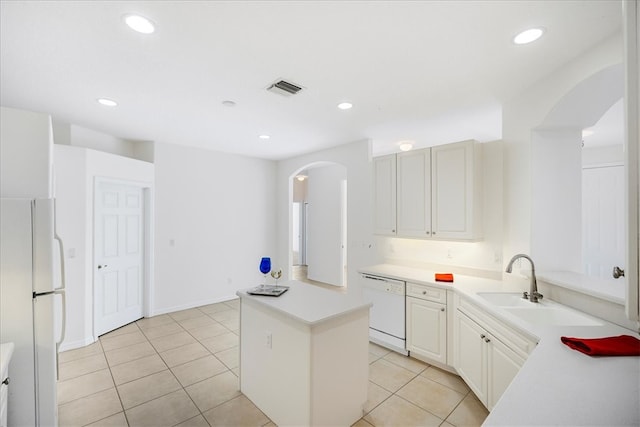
[533,295]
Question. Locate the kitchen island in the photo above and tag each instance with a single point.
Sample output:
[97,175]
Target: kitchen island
[304,355]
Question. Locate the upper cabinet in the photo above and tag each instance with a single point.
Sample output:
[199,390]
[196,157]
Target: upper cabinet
[384,195]
[430,193]
[414,193]
[456,191]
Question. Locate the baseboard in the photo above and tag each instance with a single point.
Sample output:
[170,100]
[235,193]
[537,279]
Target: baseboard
[72,345]
[194,304]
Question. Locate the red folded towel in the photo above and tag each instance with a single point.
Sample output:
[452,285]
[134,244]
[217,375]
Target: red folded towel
[444,277]
[622,345]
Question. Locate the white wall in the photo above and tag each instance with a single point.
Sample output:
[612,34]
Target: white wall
[70,134]
[26,144]
[215,219]
[71,223]
[75,171]
[356,158]
[556,191]
[479,258]
[324,239]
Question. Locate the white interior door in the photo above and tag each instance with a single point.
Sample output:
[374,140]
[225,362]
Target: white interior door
[603,236]
[324,245]
[119,255]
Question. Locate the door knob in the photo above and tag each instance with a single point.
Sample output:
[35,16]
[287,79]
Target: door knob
[102,266]
[617,272]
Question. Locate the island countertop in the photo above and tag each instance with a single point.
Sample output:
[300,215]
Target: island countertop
[309,304]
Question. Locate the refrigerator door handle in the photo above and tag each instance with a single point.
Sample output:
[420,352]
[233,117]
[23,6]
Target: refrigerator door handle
[63,281]
[63,326]
[61,291]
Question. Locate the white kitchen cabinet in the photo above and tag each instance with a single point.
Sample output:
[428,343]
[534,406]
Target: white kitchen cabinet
[426,322]
[470,354]
[430,193]
[414,193]
[456,185]
[503,365]
[487,353]
[384,195]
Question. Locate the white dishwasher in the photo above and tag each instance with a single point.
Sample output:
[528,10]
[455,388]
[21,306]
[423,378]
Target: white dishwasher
[387,315]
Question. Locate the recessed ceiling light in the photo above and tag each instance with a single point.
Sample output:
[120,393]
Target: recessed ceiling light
[301,177]
[228,103]
[405,145]
[139,23]
[345,105]
[265,137]
[528,36]
[107,102]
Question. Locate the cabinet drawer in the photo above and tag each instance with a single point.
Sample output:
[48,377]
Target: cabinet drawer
[427,292]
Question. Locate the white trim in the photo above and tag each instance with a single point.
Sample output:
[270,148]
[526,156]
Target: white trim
[194,304]
[603,165]
[631,14]
[66,346]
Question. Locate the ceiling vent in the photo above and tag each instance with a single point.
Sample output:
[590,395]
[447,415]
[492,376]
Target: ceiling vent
[284,88]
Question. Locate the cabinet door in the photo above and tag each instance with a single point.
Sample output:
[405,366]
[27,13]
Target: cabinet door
[414,193]
[384,195]
[471,354]
[453,198]
[503,365]
[427,329]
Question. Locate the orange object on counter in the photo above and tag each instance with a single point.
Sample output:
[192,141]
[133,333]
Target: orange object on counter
[444,277]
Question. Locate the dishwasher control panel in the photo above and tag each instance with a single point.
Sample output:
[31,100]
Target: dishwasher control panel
[381,284]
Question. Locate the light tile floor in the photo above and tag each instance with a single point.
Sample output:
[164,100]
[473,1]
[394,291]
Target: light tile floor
[181,369]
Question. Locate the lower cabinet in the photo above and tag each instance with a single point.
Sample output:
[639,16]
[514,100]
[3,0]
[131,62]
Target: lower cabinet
[427,322]
[502,366]
[487,354]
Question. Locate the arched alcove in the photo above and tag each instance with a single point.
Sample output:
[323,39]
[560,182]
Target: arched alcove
[556,158]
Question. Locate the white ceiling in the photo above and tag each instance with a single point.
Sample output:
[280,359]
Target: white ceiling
[430,71]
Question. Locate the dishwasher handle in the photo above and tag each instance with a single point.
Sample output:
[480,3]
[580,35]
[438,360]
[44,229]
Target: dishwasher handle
[366,276]
[382,279]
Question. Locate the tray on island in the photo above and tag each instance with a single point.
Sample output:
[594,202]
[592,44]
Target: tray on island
[268,290]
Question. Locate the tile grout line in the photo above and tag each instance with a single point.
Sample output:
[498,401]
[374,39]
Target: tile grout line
[391,361]
[115,386]
[205,379]
[465,395]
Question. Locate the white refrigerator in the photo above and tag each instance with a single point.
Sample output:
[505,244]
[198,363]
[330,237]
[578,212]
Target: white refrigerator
[32,309]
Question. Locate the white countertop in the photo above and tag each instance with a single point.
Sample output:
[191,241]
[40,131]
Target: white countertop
[556,385]
[309,304]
